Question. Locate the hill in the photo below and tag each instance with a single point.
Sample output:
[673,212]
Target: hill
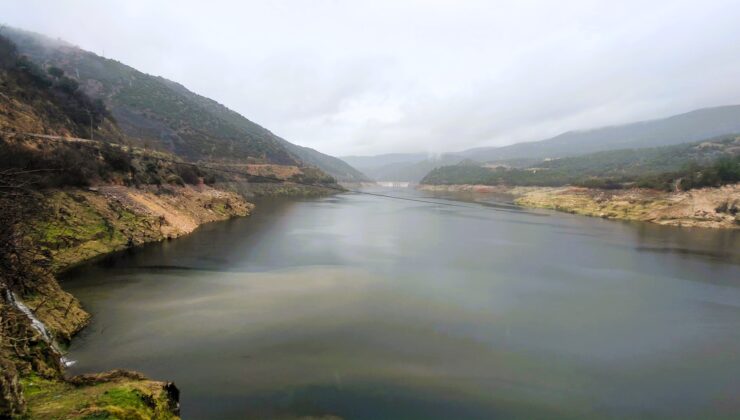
[339,169]
[66,198]
[164,114]
[34,100]
[683,128]
[709,163]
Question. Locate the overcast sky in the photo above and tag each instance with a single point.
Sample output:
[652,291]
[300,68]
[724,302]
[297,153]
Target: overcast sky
[370,77]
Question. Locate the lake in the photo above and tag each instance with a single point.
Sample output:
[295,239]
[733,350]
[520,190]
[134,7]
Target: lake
[363,307]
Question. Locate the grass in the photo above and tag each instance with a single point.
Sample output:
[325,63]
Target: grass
[125,399]
[85,225]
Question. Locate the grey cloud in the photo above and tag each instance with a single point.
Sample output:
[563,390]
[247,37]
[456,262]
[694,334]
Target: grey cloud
[399,76]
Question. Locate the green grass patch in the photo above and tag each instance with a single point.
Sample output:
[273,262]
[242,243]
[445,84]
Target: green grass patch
[128,399]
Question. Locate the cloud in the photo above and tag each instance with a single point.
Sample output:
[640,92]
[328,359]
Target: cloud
[434,76]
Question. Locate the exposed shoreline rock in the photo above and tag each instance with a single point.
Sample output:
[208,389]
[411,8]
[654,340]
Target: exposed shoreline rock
[82,224]
[706,207]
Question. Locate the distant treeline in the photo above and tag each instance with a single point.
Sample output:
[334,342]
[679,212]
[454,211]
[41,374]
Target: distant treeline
[711,163]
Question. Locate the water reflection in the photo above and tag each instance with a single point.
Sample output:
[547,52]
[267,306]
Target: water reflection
[363,308]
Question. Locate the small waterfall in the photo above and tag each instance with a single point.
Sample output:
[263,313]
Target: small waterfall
[36,324]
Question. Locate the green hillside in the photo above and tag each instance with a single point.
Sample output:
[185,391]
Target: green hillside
[709,163]
[45,100]
[166,115]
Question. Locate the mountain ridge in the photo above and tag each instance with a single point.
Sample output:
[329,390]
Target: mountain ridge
[161,112]
[701,123]
[686,127]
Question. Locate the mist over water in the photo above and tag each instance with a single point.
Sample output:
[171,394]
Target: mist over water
[363,307]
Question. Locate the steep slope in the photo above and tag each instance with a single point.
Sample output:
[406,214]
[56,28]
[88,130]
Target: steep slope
[36,313]
[691,126]
[165,114]
[32,100]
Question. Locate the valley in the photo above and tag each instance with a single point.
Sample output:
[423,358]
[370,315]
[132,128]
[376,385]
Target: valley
[163,256]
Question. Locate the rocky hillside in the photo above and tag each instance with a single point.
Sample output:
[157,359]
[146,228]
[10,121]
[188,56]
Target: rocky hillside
[65,199]
[164,114]
[35,100]
[51,222]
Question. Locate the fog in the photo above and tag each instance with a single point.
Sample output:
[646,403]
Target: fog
[418,76]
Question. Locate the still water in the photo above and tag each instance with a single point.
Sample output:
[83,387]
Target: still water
[361,307]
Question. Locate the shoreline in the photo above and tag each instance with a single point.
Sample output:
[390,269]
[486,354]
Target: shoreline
[83,225]
[715,208]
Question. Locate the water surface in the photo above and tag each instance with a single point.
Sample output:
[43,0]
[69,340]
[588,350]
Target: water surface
[361,307]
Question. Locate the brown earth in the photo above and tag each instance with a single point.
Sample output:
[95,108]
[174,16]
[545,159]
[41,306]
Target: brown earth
[705,207]
[79,225]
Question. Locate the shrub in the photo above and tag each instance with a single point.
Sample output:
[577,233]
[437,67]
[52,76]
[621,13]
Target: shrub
[188,174]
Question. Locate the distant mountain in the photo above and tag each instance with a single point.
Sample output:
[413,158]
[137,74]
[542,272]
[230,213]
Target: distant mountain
[683,128]
[382,160]
[167,115]
[408,167]
[691,126]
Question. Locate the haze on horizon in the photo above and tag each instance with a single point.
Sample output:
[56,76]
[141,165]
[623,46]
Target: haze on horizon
[418,76]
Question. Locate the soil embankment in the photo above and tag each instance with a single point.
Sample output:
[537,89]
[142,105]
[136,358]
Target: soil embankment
[81,224]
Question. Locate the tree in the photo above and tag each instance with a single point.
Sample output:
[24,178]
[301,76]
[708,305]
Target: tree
[56,72]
